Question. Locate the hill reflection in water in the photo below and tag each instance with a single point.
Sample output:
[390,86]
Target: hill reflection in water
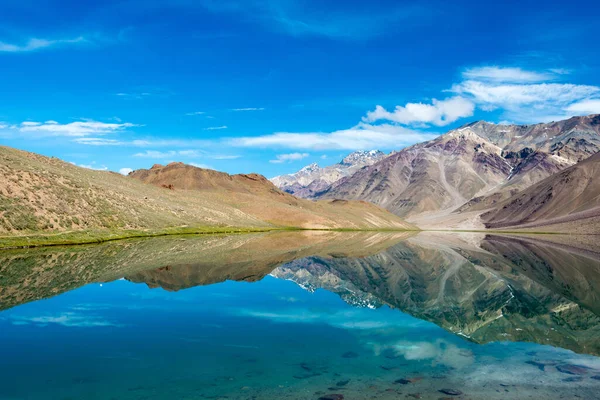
[497,298]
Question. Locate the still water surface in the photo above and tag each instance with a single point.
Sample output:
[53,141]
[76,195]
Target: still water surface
[301,316]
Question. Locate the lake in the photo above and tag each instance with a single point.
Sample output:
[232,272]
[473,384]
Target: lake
[303,315]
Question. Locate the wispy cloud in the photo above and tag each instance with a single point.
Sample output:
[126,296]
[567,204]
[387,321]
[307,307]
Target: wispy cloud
[35,44]
[439,112]
[295,19]
[215,128]
[511,74]
[93,166]
[75,129]
[167,154]
[361,137]
[225,157]
[528,103]
[282,158]
[248,109]
[67,319]
[585,107]
[144,92]
[93,141]
[203,166]
[134,95]
[196,113]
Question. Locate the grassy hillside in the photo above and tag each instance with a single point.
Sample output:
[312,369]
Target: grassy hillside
[46,200]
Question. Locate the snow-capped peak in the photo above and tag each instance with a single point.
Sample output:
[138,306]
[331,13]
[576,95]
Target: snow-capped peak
[362,157]
[310,168]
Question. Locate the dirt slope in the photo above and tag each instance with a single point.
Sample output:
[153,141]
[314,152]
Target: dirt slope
[570,198]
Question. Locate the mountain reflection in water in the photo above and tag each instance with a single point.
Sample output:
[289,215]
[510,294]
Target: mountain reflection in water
[479,288]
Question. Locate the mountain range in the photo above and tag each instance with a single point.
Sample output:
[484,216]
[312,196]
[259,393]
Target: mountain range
[452,180]
[58,202]
[312,179]
[541,177]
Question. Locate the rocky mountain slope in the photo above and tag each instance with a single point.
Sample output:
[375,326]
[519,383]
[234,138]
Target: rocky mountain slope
[313,179]
[470,168]
[570,197]
[44,195]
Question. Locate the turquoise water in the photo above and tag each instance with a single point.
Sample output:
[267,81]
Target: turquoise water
[285,336]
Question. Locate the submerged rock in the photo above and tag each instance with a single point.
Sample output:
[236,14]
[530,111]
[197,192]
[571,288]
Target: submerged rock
[539,365]
[404,381]
[343,383]
[350,354]
[306,376]
[335,396]
[572,369]
[451,392]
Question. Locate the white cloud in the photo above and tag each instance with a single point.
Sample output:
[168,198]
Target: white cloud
[94,167]
[585,107]
[92,141]
[508,74]
[225,157]
[125,171]
[91,166]
[528,103]
[77,129]
[215,128]
[248,109]
[511,95]
[167,154]
[203,166]
[39,44]
[134,95]
[196,113]
[361,137]
[281,158]
[439,112]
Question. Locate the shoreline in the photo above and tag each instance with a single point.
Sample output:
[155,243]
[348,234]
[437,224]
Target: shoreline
[97,237]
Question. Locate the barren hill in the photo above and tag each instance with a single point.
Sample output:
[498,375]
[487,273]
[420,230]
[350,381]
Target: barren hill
[46,195]
[470,168]
[570,198]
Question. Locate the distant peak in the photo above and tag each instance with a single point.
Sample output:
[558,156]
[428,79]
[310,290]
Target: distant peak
[310,168]
[361,157]
[475,124]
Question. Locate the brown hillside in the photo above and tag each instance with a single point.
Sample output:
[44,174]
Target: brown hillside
[45,195]
[569,199]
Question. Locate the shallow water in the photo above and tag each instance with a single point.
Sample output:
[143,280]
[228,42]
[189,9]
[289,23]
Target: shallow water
[401,317]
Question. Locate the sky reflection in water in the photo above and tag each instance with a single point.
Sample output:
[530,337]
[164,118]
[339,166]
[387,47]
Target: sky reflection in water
[274,338]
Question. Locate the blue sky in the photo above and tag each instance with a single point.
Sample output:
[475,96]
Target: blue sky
[271,85]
